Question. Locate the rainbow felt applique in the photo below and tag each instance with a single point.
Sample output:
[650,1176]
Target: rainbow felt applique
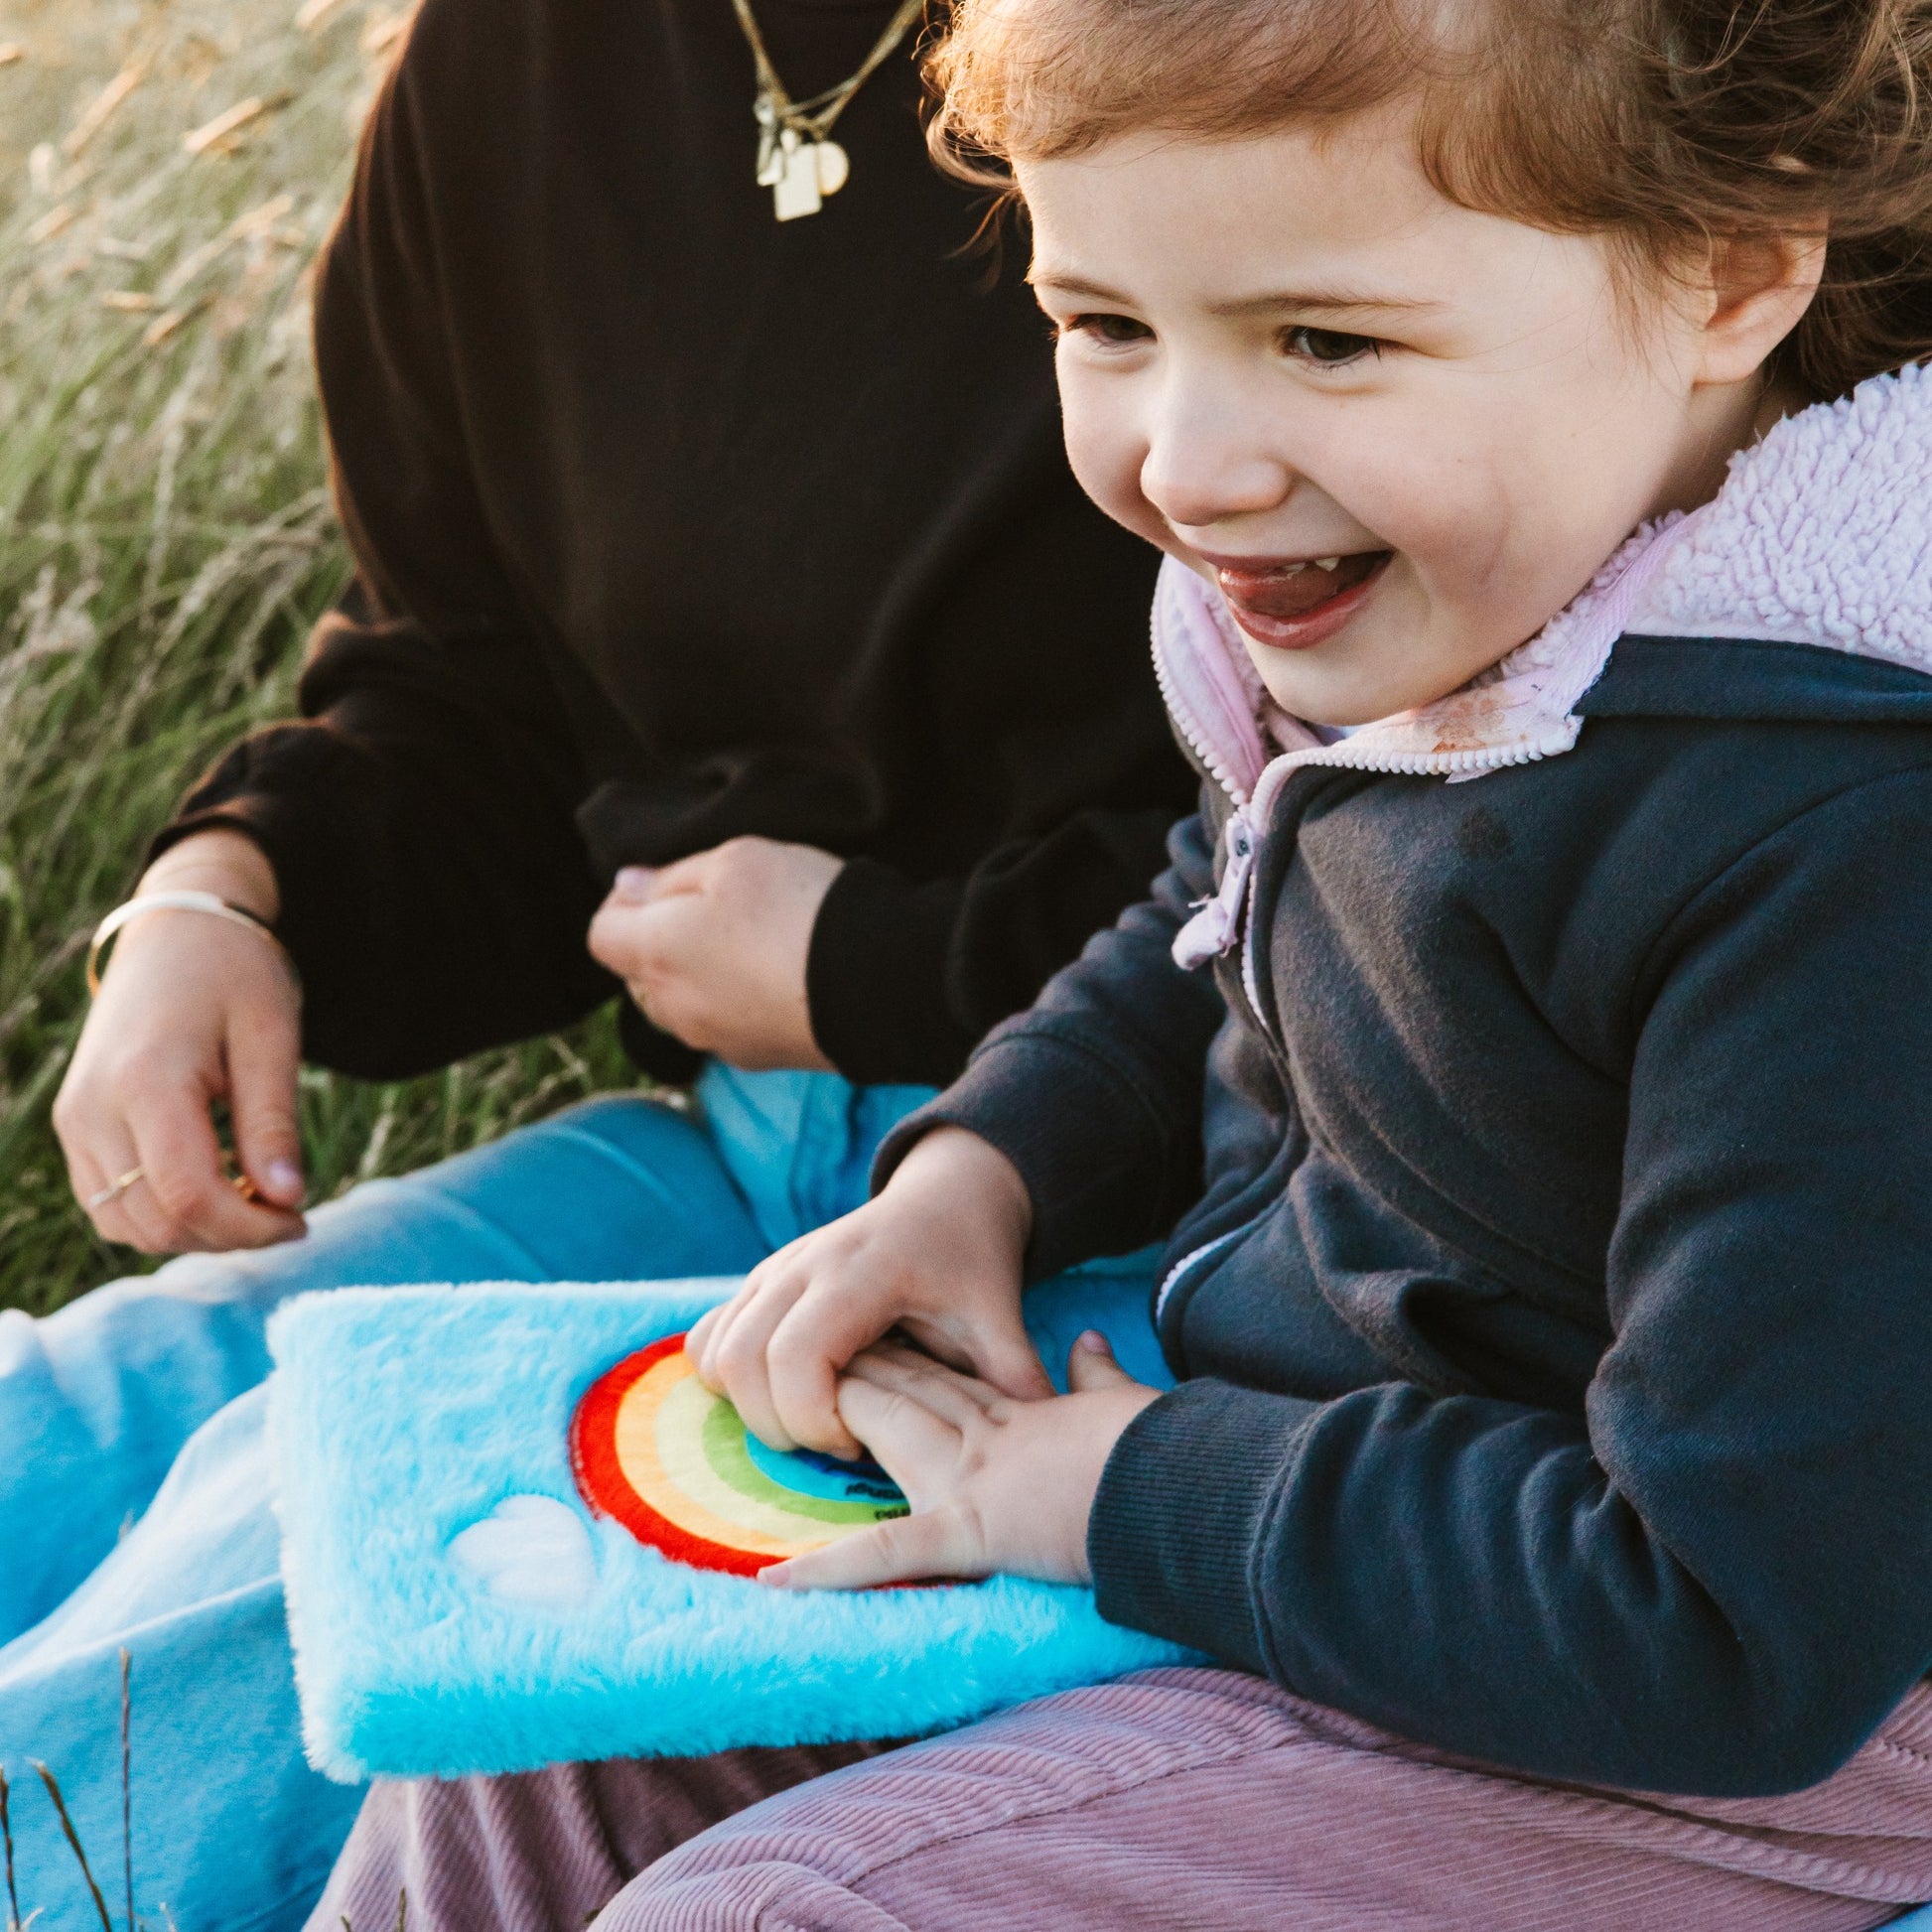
[656,1450]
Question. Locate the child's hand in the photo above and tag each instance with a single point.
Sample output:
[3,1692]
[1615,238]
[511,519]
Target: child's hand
[936,1254]
[994,1484]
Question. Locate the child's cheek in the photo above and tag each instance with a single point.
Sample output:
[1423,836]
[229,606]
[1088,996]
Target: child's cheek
[1106,447]
[1443,510]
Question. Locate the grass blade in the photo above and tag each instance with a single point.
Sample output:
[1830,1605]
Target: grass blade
[7,1841]
[127,1786]
[73,1840]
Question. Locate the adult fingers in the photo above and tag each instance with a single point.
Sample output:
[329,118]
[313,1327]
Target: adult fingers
[264,1056]
[187,1180]
[619,937]
[633,885]
[660,952]
[904,1550]
[137,1214]
[1090,1365]
[684,875]
[96,1169]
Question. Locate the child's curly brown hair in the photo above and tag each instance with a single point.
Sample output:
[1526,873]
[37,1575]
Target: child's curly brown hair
[1667,125]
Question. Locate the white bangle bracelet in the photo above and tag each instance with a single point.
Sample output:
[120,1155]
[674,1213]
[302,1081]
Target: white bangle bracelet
[182,901]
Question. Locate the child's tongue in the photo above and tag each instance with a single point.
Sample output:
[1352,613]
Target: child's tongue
[1293,590]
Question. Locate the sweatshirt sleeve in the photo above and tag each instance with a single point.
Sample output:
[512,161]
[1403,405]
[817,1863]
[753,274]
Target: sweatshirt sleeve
[435,892]
[1719,1579]
[1095,1093]
[904,978]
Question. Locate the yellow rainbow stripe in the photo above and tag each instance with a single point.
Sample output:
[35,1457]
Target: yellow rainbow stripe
[659,1443]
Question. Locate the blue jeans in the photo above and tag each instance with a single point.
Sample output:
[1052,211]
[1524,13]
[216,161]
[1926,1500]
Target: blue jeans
[134,1505]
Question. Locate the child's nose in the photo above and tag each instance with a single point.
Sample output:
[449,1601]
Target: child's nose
[1205,466]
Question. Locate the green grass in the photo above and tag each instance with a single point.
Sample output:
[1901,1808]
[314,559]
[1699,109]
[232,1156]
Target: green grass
[165,533]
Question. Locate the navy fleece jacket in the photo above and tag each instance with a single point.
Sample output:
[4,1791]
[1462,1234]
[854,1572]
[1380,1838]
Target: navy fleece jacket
[1560,1389]
[1552,1294]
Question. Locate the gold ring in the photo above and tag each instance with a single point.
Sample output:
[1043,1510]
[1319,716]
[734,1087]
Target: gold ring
[116,1189]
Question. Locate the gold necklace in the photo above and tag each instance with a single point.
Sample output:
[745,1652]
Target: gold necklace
[797,159]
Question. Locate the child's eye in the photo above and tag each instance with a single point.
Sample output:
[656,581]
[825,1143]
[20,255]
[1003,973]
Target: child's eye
[1112,330]
[1328,348]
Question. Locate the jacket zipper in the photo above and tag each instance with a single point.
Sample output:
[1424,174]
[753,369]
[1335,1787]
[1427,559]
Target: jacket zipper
[1229,910]
[1173,1275]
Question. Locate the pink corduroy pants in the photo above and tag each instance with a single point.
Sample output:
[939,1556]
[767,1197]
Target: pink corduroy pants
[1195,1799]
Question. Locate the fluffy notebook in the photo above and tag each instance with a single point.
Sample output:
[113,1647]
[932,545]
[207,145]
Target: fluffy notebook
[517,1530]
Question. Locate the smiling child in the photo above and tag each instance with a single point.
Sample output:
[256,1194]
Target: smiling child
[1533,1035]
[1551,1314]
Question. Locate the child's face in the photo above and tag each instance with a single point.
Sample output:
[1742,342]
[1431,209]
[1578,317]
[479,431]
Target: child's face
[1280,352]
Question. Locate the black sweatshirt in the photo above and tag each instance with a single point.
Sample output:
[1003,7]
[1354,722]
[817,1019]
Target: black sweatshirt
[1555,1328]
[674,523]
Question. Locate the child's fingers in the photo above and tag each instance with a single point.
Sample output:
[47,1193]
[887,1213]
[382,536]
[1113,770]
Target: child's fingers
[819,1335]
[1090,1365]
[905,1550]
[1004,1356]
[711,1331]
[916,1445]
[701,1341]
[959,1400]
[738,1352]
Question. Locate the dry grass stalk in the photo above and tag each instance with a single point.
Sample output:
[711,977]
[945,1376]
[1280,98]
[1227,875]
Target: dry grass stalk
[101,109]
[73,1842]
[382,35]
[7,1845]
[162,326]
[220,133]
[10,51]
[127,301]
[312,12]
[127,1782]
[57,220]
[259,220]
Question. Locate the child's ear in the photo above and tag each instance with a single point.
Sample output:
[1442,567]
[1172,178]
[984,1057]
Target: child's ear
[1756,291]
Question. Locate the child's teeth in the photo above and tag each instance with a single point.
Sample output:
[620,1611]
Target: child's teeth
[1293,570]
[1326,563]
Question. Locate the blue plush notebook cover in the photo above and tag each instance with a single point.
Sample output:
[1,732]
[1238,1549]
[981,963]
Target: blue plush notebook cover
[457,1609]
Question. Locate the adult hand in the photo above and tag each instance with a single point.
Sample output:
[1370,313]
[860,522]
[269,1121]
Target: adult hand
[994,1484]
[713,948]
[937,1254]
[191,1010]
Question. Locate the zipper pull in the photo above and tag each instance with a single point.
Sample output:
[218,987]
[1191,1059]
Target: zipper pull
[1216,924]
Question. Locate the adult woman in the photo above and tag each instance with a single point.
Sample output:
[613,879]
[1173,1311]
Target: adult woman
[687,540]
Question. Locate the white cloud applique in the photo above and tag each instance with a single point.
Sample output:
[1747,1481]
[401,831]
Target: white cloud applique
[532,1551]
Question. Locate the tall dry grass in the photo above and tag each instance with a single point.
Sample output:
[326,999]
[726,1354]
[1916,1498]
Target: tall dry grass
[167,170]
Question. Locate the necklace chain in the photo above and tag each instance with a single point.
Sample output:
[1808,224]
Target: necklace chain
[797,158]
[813,119]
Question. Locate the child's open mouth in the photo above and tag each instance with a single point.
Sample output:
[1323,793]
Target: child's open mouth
[1293,604]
